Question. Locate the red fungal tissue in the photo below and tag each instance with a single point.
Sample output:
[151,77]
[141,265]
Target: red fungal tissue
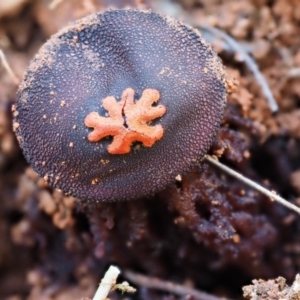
[116,105]
[137,115]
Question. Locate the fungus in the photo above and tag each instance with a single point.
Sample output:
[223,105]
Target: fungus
[137,115]
[118,104]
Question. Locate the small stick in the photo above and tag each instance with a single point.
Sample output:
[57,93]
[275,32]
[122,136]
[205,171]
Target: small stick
[293,73]
[167,286]
[107,283]
[8,68]
[249,61]
[54,4]
[273,196]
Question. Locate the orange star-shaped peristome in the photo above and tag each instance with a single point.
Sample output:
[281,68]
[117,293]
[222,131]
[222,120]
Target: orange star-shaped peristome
[128,121]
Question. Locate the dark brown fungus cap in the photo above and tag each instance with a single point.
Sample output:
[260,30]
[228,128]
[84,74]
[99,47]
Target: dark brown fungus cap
[114,76]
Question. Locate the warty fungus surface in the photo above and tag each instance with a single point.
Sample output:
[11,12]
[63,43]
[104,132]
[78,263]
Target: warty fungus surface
[118,104]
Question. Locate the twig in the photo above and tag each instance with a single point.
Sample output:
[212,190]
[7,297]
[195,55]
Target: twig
[294,291]
[249,61]
[54,4]
[108,284]
[8,68]
[273,196]
[167,286]
[293,73]
[109,280]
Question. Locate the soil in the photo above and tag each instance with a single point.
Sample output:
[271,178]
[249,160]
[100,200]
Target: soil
[207,230]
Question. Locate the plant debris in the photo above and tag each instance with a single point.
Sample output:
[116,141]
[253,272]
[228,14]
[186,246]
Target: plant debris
[273,289]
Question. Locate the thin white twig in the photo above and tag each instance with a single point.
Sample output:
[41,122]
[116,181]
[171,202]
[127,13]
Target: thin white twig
[273,196]
[8,68]
[249,61]
[109,280]
[168,286]
[54,4]
[294,73]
